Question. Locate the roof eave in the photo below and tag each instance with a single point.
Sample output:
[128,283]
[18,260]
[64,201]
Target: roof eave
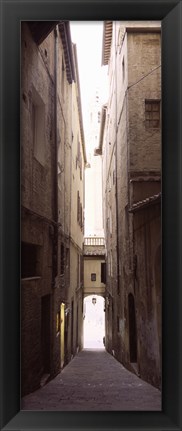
[64,29]
[152,200]
[106,42]
[41,29]
[102,126]
[79,104]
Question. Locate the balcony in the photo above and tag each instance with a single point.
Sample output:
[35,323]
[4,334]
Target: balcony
[94,240]
[94,245]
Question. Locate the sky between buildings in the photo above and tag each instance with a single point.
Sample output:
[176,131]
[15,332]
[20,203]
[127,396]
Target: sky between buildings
[88,38]
[93,78]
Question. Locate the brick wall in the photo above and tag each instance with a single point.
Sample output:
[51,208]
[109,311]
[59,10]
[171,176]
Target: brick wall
[144,56]
[38,201]
[37,178]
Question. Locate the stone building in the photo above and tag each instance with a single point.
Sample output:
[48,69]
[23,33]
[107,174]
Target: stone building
[51,130]
[75,293]
[130,142]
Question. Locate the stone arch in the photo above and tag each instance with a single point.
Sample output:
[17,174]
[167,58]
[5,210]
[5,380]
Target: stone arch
[132,328]
[93,294]
[94,321]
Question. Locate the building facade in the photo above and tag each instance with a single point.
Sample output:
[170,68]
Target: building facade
[130,142]
[93,176]
[78,163]
[94,266]
[50,124]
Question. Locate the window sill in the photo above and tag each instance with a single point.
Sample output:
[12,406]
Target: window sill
[31,278]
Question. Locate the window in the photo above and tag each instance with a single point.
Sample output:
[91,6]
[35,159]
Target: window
[108,264]
[123,69]
[152,114]
[78,152]
[62,79]
[79,211]
[79,157]
[81,215]
[67,257]
[57,323]
[62,259]
[110,221]
[113,178]
[78,270]
[80,168]
[30,260]
[93,277]
[103,272]
[38,127]
[111,271]
[78,207]
[81,270]
[126,215]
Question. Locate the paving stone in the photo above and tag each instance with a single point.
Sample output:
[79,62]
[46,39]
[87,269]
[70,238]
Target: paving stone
[94,380]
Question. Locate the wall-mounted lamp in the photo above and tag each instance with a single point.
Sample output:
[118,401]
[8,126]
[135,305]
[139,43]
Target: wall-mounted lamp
[94,300]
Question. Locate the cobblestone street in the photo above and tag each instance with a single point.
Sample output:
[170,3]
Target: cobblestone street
[94,380]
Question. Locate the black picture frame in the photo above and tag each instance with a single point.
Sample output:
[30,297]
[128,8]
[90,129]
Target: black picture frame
[12,12]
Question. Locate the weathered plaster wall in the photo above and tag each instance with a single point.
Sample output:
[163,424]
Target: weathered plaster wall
[134,76]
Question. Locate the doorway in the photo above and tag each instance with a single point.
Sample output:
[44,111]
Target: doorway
[132,329]
[45,334]
[94,322]
[72,325]
[62,332]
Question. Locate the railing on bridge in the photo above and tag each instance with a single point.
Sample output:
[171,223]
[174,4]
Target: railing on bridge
[94,240]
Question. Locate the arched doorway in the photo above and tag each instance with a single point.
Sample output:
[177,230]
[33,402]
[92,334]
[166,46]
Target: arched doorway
[94,322]
[132,329]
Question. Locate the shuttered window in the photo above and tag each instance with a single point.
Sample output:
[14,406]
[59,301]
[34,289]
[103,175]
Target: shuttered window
[152,114]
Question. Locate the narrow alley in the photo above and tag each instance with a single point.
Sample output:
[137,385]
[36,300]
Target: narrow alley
[91,321]
[94,380]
